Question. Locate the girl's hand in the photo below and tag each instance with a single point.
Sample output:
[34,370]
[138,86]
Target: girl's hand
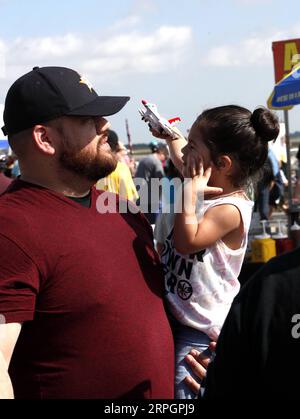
[193,168]
[164,136]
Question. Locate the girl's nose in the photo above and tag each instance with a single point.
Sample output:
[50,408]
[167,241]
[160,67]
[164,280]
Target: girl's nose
[184,149]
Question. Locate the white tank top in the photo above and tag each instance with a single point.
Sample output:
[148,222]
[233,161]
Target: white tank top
[200,288]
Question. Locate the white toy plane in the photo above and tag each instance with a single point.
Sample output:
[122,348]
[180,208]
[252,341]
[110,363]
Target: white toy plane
[157,122]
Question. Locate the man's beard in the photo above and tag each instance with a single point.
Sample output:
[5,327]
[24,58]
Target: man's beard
[84,164]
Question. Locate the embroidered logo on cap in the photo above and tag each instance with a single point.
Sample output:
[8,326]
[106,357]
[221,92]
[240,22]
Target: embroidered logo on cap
[84,80]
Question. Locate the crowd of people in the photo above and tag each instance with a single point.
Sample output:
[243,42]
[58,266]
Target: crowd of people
[137,304]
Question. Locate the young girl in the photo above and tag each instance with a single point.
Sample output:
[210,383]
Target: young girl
[203,256]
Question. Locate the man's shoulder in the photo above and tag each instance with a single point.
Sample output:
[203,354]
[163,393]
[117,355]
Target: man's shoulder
[10,202]
[25,208]
[282,266]
[277,277]
[18,196]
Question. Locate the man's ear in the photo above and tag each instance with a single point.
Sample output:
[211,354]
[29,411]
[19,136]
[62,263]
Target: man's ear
[43,140]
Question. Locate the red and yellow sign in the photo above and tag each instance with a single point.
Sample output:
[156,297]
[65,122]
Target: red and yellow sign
[286,56]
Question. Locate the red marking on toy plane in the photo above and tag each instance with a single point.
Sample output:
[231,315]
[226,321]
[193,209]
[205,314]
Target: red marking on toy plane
[144,102]
[171,121]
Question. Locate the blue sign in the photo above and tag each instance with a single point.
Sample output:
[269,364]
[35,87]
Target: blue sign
[287,91]
[4,144]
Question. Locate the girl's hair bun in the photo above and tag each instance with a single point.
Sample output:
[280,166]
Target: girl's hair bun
[265,124]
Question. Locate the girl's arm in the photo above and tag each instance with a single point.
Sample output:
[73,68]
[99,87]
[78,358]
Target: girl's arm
[192,235]
[175,147]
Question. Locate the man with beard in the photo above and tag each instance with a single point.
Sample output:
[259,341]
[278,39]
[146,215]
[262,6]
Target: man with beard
[81,313]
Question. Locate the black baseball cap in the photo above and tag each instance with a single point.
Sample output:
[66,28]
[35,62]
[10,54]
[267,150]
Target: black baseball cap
[47,93]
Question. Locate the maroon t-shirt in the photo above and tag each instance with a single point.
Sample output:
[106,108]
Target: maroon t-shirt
[88,287]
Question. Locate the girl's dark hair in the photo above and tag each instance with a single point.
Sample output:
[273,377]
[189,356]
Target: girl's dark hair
[242,135]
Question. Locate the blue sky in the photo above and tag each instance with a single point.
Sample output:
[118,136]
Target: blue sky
[184,56]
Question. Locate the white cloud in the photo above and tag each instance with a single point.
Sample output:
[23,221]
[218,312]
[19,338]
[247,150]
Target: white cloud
[134,52]
[130,52]
[2,59]
[41,48]
[256,50]
[163,40]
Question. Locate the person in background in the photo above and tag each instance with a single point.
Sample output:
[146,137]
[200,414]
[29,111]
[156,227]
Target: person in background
[120,180]
[270,188]
[125,157]
[165,219]
[4,180]
[263,188]
[10,162]
[277,190]
[15,172]
[296,192]
[151,167]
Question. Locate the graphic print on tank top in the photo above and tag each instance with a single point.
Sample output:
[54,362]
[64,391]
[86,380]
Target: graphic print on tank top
[178,269]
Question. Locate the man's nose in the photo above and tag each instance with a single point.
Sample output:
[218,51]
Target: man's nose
[101,125]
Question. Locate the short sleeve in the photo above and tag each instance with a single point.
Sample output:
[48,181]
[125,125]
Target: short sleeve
[19,283]
[158,170]
[127,187]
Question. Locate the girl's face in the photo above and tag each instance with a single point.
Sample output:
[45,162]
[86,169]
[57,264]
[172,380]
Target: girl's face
[197,147]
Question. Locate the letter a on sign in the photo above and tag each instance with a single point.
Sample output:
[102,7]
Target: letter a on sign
[286,55]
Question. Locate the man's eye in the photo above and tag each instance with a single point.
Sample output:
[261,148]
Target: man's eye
[86,120]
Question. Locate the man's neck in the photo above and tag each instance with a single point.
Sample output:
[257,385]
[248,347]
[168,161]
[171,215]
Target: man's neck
[76,188]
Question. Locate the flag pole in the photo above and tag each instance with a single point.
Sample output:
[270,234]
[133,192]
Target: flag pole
[289,169]
[128,137]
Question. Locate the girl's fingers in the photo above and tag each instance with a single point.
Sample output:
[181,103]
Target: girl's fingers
[189,166]
[185,171]
[193,168]
[200,167]
[158,134]
[197,164]
[211,190]
[207,172]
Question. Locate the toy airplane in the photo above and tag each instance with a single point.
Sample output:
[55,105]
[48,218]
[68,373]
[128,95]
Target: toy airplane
[157,122]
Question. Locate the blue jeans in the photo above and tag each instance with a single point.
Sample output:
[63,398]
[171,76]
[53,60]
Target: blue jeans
[263,202]
[186,339]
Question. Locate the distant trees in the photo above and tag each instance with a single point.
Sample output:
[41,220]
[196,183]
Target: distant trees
[295,134]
